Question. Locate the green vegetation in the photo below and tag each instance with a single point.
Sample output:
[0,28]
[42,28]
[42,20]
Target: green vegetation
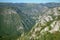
[22,22]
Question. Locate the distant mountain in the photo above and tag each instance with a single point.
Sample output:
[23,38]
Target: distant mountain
[51,5]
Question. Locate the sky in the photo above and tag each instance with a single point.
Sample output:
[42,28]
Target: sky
[29,1]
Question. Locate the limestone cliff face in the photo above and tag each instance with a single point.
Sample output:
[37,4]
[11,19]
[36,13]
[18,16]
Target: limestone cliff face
[48,24]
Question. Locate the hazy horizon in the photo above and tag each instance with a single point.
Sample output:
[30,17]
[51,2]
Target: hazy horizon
[29,1]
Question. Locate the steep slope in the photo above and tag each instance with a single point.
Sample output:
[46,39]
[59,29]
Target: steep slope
[47,27]
[13,23]
[31,9]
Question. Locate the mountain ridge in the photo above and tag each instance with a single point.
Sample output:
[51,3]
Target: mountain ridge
[22,21]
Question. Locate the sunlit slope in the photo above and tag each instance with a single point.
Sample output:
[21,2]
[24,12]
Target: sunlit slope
[47,27]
